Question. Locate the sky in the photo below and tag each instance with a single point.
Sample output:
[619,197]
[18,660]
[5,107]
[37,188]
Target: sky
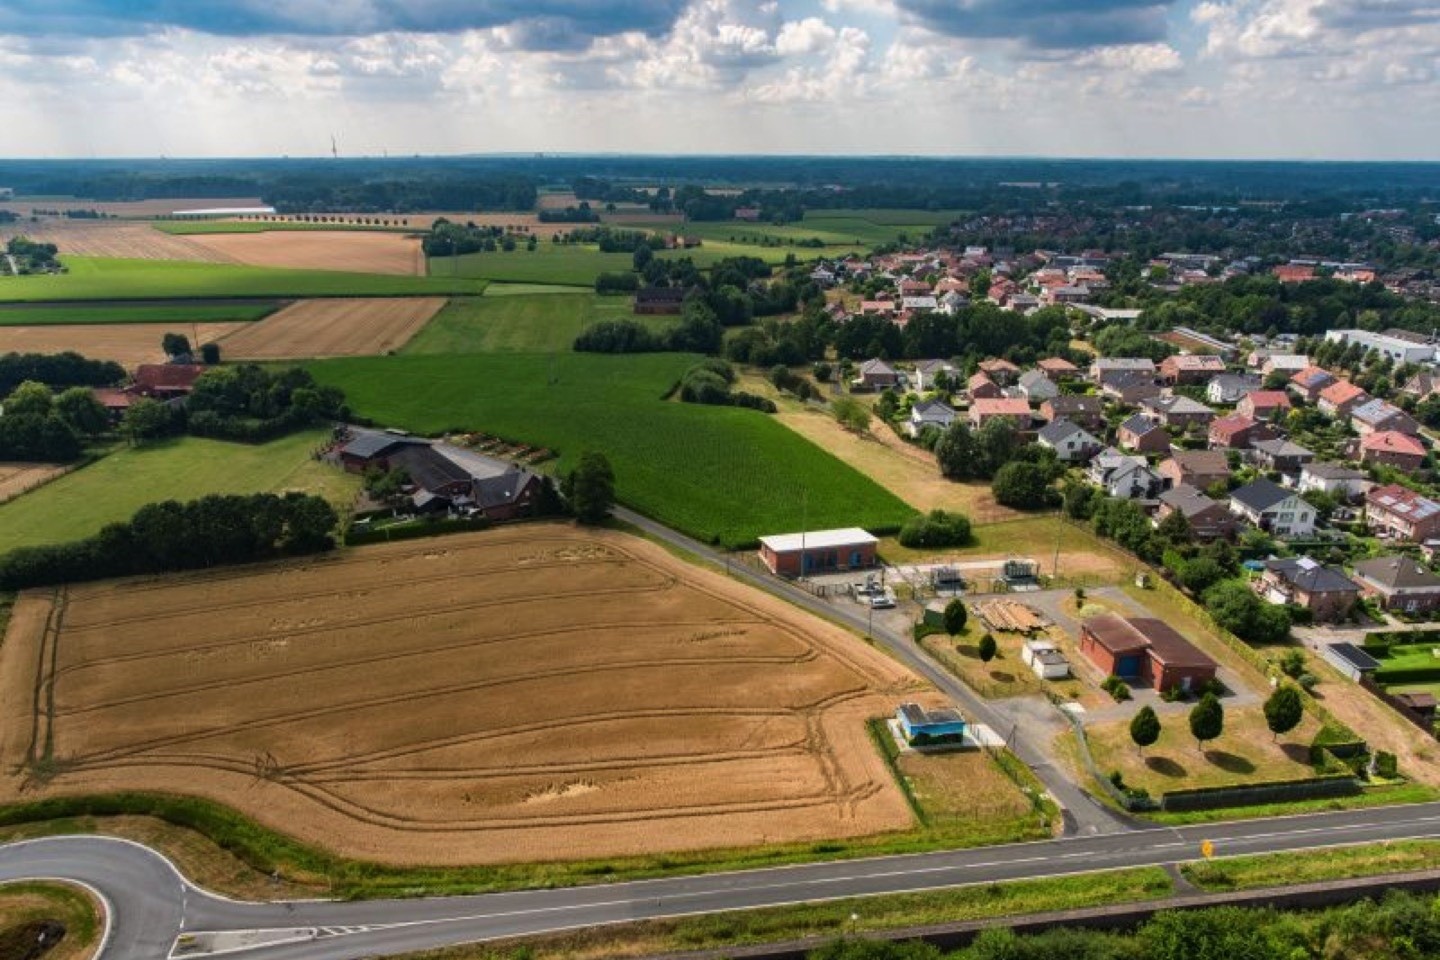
[1303,79]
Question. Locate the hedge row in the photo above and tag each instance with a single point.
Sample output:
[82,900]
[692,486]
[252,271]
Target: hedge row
[1273,791]
[1384,641]
[1392,675]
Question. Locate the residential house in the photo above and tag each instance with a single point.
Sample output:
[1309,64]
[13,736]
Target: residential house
[1015,410]
[1143,434]
[911,287]
[1230,388]
[1394,511]
[1147,650]
[930,413]
[1280,455]
[1339,481]
[1238,432]
[1127,477]
[952,303]
[1037,387]
[1391,447]
[1399,583]
[1101,367]
[1201,469]
[1271,405]
[877,375]
[925,304]
[1193,368]
[1058,369]
[1294,272]
[1088,412]
[1308,383]
[1179,413]
[1272,508]
[927,370]
[1128,387]
[1326,592]
[1002,371]
[1286,363]
[1022,302]
[166,381]
[1338,399]
[981,387]
[1377,416]
[1208,519]
[1423,384]
[1071,442]
[661,300]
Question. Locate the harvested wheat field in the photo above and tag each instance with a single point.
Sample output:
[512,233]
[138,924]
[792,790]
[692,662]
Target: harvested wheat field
[334,328]
[18,478]
[128,344]
[349,251]
[113,238]
[536,693]
[130,208]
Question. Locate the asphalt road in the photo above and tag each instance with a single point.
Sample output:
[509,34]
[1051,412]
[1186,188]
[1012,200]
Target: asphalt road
[152,904]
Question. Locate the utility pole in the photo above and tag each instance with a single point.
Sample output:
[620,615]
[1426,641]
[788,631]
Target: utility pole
[804,524]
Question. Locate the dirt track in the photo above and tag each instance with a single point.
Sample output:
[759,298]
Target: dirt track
[526,694]
[128,344]
[333,328]
[17,478]
[352,251]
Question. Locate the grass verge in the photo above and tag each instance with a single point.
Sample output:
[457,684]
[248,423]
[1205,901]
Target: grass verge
[22,904]
[1278,869]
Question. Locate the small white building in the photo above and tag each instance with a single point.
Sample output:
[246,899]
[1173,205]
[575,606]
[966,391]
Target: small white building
[1045,658]
[930,413]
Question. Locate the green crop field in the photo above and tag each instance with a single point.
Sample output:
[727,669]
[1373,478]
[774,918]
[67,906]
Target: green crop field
[185,228]
[530,323]
[78,504]
[840,236]
[718,473]
[579,264]
[887,217]
[99,278]
[17,316]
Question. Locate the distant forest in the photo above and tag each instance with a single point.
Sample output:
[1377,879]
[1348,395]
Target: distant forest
[513,182]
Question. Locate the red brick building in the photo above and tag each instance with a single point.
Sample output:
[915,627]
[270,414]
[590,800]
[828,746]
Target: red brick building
[1145,649]
[818,551]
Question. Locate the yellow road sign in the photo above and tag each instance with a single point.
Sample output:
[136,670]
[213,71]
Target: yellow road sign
[1207,849]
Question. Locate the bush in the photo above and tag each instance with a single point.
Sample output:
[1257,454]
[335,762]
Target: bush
[938,528]
[1022,485]
[1386,766]
[1308,681]
[1118,689]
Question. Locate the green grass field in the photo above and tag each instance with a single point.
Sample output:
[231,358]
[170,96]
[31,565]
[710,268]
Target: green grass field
[719,473]
[530,323]
[578,264]
[98,278]
[151,313]
[887,217]
[185,228]
[78,504]
[840,236]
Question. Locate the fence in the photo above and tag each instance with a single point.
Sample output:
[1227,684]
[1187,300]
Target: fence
[1424,721]
[1275,791]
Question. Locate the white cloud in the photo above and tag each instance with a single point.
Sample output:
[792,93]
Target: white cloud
[804,36]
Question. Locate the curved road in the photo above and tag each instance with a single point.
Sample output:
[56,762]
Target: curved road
[152,904]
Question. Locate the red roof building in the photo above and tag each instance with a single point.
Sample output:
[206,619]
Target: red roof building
[1015,410]
[1264,404]
[1338,399]
[1145,649]
[165,381]
[1294,273]
[1390,446]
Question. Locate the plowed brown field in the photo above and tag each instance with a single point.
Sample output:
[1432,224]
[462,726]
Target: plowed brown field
[334,328]
[528,694]
[128,344]
[350,251]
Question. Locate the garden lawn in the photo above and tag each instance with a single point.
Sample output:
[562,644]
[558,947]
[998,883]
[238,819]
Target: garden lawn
[100,278]
[534,323]
[153,313]
[78,504]
[723,474]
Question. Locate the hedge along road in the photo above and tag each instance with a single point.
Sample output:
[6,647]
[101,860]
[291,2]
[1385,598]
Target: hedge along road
[148,904]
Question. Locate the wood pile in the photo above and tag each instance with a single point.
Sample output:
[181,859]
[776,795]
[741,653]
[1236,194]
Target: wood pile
[1009,616]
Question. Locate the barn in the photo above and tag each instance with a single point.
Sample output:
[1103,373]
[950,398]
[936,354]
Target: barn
[1145,649]
[818,551]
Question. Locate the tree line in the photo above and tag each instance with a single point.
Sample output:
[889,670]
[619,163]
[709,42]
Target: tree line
[170,536]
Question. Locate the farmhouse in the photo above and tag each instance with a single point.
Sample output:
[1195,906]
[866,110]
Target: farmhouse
[921,726]
[818,551]
[115,402]
[1394,511]
[1145,649]
[367,449]
[1399,583]
[166,381]
[1274,509]
[660,300]
[1326,592]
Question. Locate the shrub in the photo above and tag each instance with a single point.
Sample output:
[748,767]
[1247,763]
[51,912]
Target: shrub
[1118,689]
[988,648]
[937,528]
[1308,681]
[1386,765]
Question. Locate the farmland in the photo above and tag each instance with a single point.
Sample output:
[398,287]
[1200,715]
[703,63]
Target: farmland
[362,702]
[350,251]
[128,344]
[535,322]
[78,504]
[93,278]
[26,315]
[579,264]
[17,478]
[190,228]
[720,473]
[114,238]
[333,328]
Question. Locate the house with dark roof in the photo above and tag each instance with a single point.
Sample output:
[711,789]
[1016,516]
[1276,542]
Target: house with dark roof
[1230,388]
[926,371]
[1399,583]
[1200,469]
[930,413]
[660,300]
[1272,508]
[1280,455]
[1071,442]
[1146,650]
[1088,412]
[1142,434]
[1103,367]
[1394,448]
[1123,476]
[1208,519]
[1129,387]
[1395,511]
[1178,413]
[375,449]
[876,374]
[1326,592]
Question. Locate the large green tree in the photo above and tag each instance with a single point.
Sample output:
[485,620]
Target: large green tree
[1145,728]
[1283,710]
[1024,486]
[29,399]
[79,408]
[1207,720]
[590,488]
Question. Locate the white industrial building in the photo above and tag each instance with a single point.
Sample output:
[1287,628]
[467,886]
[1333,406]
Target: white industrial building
[1399,346]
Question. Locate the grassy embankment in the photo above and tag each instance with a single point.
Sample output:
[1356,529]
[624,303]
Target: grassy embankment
[722,474]
[99,278]
[79,504]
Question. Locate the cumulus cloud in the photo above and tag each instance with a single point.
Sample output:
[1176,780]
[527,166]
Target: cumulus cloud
[1044,24]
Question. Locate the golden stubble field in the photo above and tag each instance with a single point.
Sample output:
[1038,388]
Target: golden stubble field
[128,344]
[18,478]
[114,238]
[348,251]
[333,328]
[536,693]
